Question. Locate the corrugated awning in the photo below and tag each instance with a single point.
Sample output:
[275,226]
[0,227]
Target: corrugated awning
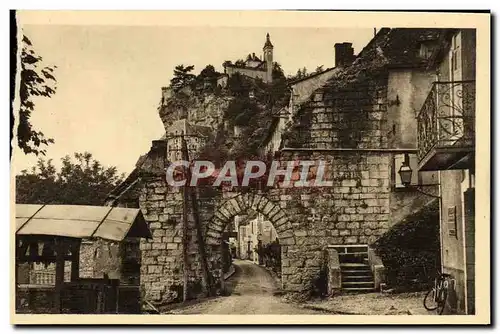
[79,221]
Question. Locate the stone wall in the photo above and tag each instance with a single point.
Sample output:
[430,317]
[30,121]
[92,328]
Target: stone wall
[162,257]
[351,117]
[354,210]
[252,73]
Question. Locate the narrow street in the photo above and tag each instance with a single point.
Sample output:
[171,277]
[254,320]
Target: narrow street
[251,290]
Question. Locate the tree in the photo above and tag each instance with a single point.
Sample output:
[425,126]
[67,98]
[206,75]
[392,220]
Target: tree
[182,77]
[35,81]
[304,72]
[208,78]
[84,181]
[238,85]
[319,69]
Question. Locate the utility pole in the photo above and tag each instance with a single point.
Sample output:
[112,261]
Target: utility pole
[185,227]
[191,194]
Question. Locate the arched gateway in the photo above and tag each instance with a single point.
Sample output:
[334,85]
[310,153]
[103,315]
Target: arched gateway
[237,204]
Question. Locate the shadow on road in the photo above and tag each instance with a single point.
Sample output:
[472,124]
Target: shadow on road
[232,282]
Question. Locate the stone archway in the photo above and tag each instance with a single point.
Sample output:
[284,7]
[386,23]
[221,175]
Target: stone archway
[238,204]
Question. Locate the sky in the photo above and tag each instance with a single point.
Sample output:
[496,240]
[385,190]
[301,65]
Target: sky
[109,78]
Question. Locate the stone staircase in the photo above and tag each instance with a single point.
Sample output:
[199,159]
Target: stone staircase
[357,276]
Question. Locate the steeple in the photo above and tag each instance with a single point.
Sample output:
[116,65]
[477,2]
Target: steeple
[268,44]
[268,58]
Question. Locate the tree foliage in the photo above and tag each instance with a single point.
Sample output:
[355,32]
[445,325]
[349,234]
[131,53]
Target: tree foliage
[82,180]
[36,80]
[182,77]
[410,250]
[207,79]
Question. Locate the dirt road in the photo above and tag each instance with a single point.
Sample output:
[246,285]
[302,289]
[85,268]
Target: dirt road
[252,291]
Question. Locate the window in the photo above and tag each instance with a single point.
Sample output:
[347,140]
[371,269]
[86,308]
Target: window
[426,49]
[455,55]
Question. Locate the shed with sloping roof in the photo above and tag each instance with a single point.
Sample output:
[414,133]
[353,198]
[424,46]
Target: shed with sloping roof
[53,233]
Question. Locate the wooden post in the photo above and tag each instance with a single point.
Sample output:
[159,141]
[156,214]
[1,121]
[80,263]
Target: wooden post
[60,252]
[16,274]
[75,261]
[185,227]
[207,284]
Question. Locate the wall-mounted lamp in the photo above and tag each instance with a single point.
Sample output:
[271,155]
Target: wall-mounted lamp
[405,172]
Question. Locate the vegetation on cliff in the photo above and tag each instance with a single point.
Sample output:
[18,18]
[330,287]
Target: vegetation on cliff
[249,112]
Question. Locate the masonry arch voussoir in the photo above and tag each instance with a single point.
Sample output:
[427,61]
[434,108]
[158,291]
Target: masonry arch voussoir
[239,203]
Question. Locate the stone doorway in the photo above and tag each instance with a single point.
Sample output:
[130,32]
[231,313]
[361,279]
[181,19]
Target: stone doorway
[239,204]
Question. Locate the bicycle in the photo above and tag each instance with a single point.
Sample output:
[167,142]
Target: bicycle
[436,297]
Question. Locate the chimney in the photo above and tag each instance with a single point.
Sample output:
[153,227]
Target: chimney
[344,54]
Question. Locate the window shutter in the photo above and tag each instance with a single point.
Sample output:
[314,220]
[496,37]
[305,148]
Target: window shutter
[452,221]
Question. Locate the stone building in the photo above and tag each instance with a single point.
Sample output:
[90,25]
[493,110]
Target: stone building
[196,137]
[256,231]
[253,66]
[446,145]
[360,118]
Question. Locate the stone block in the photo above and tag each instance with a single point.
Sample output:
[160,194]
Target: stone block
[145,246]
[340,225]
[357,231]
[167,239]
[279,221]
[343,190]
[160,190]
[262,204]
[344,232]
[356,217]
[155,269]
[151,217]
[159,246]
[352,225]
[349,183]
[155,197]
[383,217]
[158,232]
[285,197]
[163,218]
[293,287]
[332,233]
[351,240]
[268,208]
[365,182]
[155,225]
[344,218]
[350,210]
[287,241]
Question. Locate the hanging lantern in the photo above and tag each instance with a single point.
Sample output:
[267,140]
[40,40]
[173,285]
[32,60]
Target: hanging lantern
[48,252]
[33,252]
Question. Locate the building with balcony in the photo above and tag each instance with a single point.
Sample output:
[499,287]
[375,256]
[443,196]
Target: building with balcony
[368,109]
[446,144]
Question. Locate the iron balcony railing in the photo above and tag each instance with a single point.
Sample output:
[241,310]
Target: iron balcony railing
[447,117]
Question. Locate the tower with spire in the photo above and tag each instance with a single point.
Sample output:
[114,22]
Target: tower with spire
[252,67]
[268,57]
